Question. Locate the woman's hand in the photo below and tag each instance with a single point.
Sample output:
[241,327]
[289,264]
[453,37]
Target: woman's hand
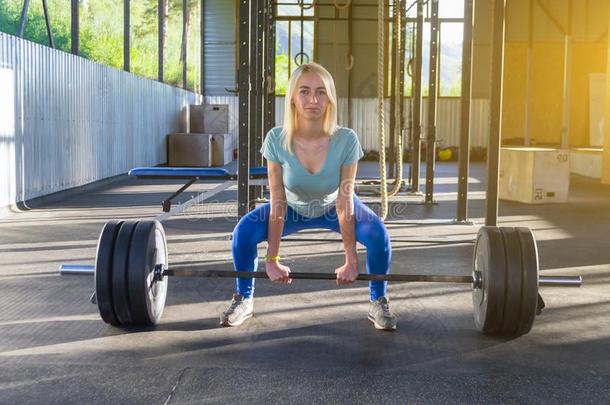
[347,273]
[277,272]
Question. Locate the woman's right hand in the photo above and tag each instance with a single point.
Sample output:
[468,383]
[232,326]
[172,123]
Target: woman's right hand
[278,273]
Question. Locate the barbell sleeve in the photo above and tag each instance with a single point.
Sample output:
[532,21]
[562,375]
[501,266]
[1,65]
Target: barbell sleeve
[76,269]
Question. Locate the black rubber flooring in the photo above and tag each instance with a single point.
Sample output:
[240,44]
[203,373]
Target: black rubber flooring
[310,342]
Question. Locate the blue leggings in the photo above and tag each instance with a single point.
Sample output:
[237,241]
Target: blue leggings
[370,232]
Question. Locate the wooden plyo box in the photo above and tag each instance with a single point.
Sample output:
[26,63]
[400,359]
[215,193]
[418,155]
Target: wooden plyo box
[222,149]
[534,175]
[209,118]
[190,150]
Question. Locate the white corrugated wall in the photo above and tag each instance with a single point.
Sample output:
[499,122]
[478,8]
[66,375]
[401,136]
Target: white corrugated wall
[66,121]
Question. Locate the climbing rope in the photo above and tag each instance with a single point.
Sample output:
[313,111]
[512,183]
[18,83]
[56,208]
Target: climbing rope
[380,100]
[398,108]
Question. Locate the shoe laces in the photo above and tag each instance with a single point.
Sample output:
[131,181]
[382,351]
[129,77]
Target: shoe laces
[385,307]
[236,304]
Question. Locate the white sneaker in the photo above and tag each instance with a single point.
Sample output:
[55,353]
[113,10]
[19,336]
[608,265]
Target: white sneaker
[239,311]
[380,314]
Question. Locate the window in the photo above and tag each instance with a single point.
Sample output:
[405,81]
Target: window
[451,12]
[294,39]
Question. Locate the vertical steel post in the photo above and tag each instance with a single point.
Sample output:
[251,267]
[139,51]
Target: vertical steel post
[392,128]
[432,99]
[270,66]
[185,39]
[48,22]
[202,40]
[527,138]
[464,151]
[74,37]
[401,84]
[243,87]
[23,18]
[567,79]
[417,99]
[161,23]
[493,152]
[255,94]
[350,26]
[126,35]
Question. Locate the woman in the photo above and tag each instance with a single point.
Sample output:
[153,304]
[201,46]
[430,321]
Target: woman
[312,169]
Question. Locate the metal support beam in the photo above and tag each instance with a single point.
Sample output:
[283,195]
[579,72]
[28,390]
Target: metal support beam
[74,28]
[495,127]
[551,17]
[48,22]
[350,61]
[432,99]
[417,99]
[529,73]
[256,93]
[567,80]
[126,35]
[202,40]
[269,66]
[161,37]
[23,18]
[464,151]
[185,39]
[392,128]
[401,80]
[243,88]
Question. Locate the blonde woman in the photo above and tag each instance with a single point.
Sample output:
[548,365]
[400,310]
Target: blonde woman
[312,166]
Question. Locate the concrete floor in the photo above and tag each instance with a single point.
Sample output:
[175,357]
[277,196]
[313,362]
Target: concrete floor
[309,342]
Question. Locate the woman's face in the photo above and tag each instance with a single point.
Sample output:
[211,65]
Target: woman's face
[310,99]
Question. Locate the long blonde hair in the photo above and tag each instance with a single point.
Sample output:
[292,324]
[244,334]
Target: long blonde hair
[290,112]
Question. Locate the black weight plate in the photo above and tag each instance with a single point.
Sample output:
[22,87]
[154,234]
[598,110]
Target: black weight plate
[120,263]
[529,290]
[490,261]
[103,271]
[147,297]
[512,295]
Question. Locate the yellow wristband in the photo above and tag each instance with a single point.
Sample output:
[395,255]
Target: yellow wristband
[272,258]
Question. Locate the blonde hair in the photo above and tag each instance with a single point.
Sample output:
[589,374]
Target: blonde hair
[291,119]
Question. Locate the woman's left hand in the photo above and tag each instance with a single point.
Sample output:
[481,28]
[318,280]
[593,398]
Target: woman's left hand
[347,273]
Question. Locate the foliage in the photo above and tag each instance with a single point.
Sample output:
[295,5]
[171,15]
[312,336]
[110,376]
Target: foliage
[101,33]
[101,39]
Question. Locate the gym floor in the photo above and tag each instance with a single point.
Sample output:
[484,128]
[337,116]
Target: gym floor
[309,342]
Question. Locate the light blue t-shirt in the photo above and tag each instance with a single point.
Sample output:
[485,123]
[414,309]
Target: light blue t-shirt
[312,195]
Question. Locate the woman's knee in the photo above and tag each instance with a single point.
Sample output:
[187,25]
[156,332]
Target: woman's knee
[251,228]
[373,234]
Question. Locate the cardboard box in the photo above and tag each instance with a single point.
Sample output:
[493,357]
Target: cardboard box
[209,118]
[191,150]
[222,149]
[534,175]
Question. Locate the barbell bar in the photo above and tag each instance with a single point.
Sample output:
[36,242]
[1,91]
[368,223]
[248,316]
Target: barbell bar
[131,266]
[194,271]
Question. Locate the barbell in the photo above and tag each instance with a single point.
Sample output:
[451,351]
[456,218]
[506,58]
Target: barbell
[131,276]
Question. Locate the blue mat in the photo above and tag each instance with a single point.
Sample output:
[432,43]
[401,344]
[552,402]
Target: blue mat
[189,171]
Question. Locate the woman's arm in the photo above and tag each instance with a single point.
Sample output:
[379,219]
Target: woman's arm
[276,271]
[347,273]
